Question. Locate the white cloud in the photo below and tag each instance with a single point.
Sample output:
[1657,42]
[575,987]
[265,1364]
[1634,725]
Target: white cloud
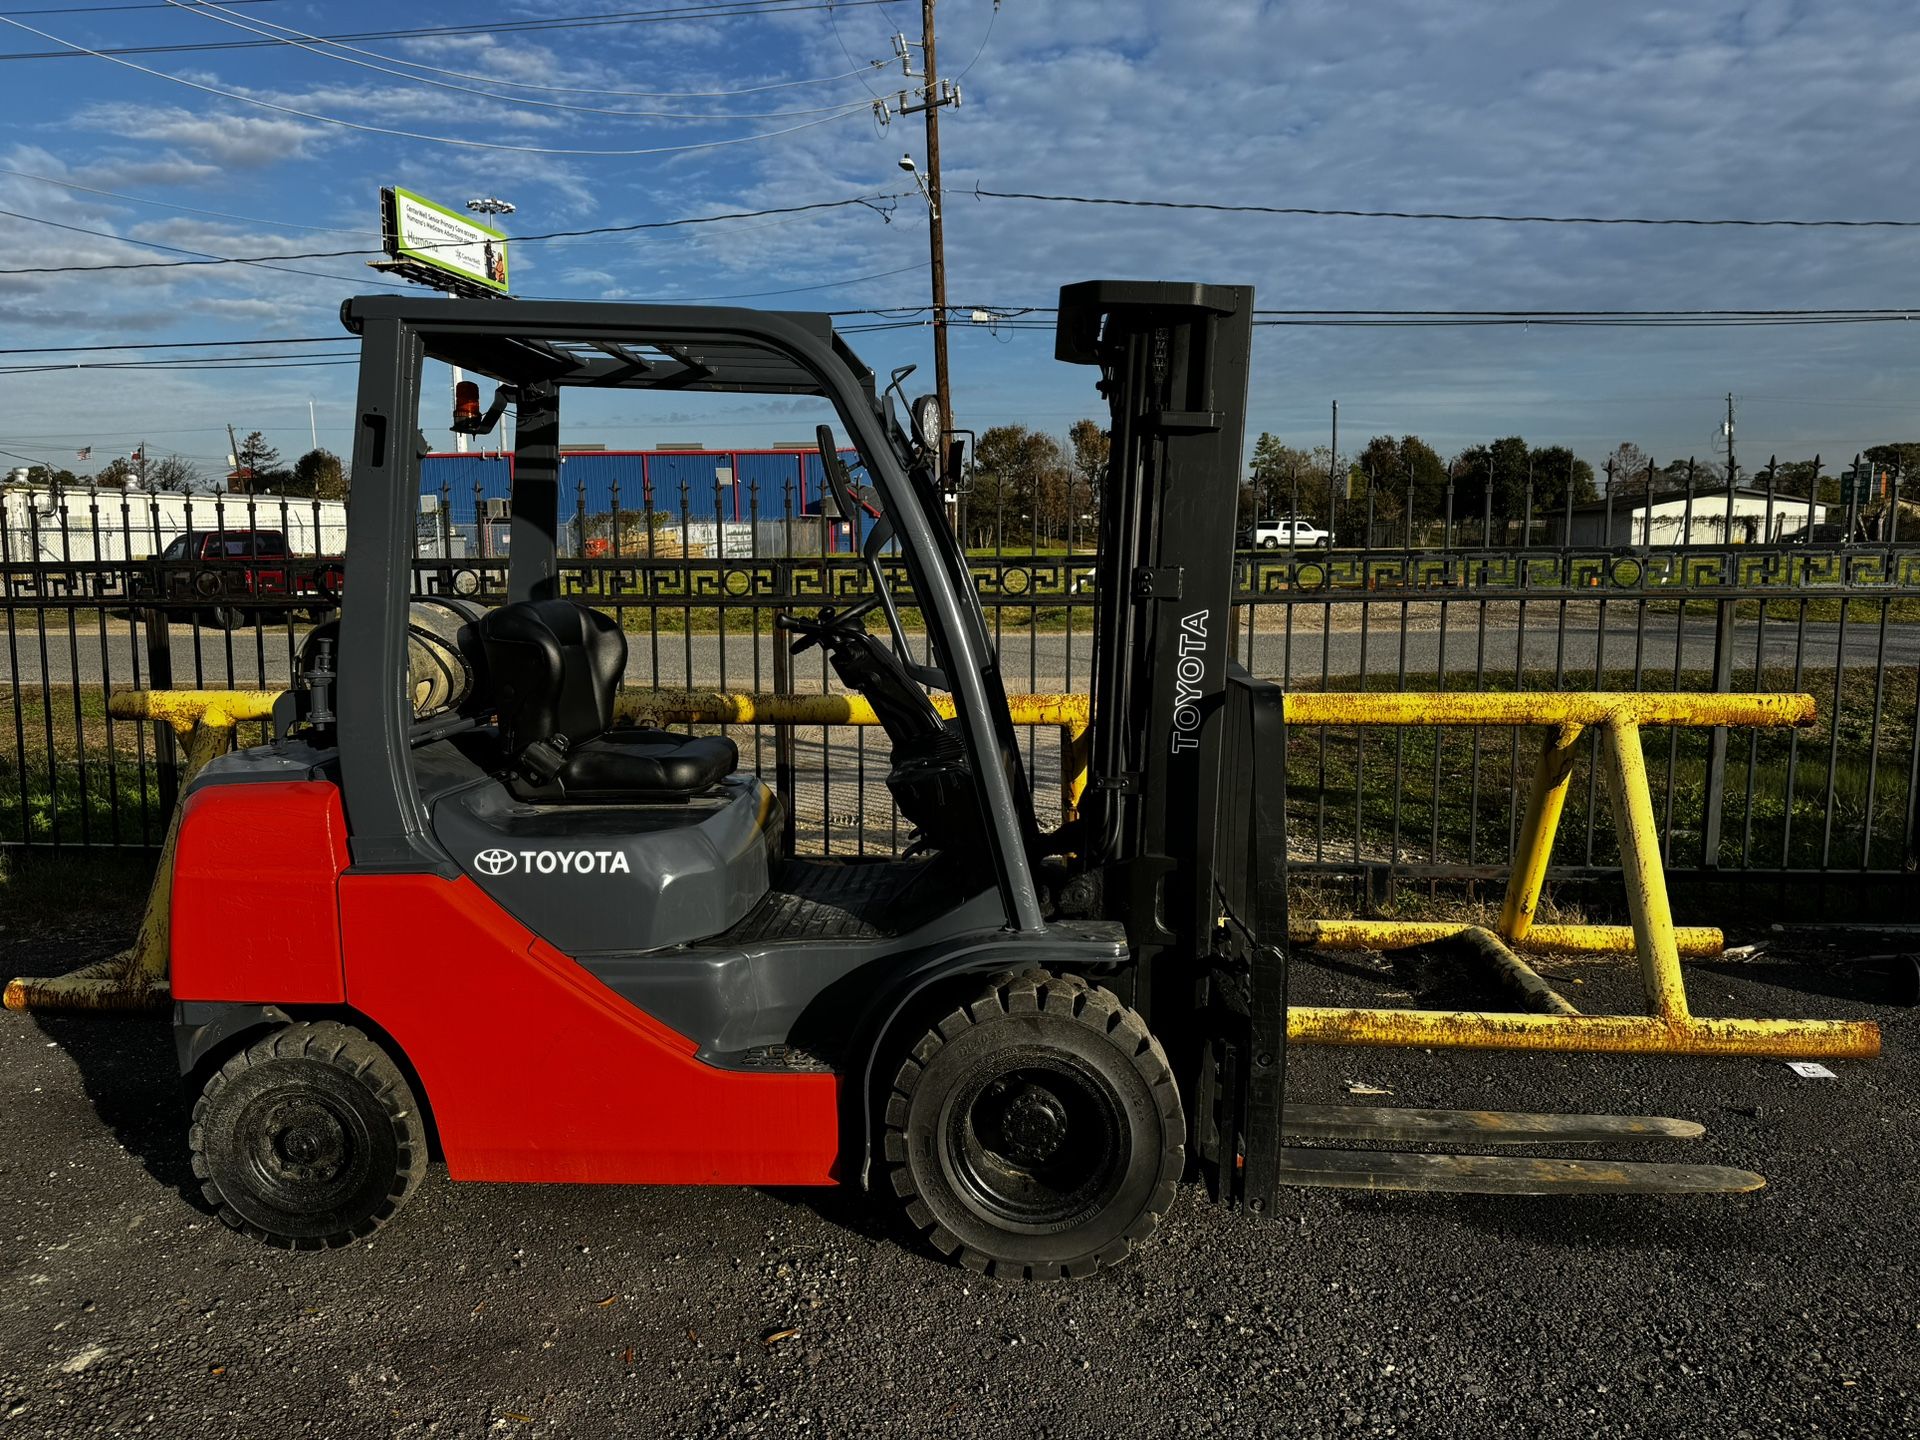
[233,141]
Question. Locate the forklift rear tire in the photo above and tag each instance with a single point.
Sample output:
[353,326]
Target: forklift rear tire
[310,1139]
[1036,1133]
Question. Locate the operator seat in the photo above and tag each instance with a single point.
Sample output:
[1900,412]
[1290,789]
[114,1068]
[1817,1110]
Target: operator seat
[554,665]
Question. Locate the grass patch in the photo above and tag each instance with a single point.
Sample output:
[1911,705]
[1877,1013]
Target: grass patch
[1835,793]
[71,775]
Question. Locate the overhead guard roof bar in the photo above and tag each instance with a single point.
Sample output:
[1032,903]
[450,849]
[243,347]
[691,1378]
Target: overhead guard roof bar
[664,347]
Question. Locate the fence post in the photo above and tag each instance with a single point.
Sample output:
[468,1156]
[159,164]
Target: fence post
[783,768]
[1716,787]
[166,754]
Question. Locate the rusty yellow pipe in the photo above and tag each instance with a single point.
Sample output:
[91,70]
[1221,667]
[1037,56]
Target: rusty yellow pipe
[184,709]
[1625,764]
[1696,941]
[1527,707]
[1582,1034]
[1070,714]
[1537,996]
[1534,848]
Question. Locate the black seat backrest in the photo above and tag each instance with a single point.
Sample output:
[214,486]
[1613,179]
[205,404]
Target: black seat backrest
[554,666]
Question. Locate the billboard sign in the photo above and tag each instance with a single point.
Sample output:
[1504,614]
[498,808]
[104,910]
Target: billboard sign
[422,236]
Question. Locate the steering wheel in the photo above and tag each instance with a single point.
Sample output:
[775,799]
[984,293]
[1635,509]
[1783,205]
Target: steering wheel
[830,621]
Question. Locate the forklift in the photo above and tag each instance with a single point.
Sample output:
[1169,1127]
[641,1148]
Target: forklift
[483,916]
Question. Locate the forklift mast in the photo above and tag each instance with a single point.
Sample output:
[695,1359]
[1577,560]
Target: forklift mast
[1183,818]
[1173,367]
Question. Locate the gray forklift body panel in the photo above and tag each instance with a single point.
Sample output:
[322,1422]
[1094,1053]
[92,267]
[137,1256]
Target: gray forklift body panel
[540,348]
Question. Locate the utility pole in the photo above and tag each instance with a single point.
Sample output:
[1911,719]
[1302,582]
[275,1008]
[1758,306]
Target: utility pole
[932,96]
[936,236]
[1731,472]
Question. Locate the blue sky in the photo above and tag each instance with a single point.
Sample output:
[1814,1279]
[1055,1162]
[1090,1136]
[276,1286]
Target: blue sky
[1772,108]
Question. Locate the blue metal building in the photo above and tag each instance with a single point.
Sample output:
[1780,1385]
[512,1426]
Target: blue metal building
[723,494]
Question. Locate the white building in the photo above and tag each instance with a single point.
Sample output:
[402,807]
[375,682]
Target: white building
[1673,519]
[83,526]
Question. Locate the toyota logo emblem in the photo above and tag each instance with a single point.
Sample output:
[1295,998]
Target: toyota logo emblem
[494,862]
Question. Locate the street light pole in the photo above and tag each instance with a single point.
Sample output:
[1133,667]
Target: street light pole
[492,207]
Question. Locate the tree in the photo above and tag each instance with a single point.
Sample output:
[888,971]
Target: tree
[1288,480]
[1396,467]
[1092,454]
[1510,470]
[1677,477]
[1905,454]
[174,472]
[1555,470]
[320,474]
[61,479]
[1797,478]
[259,464]
[1627,466]
[1020,488]
[116,474]
[1495,473]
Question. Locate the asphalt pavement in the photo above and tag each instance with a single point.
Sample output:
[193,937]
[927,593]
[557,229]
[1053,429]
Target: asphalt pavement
[486,1310]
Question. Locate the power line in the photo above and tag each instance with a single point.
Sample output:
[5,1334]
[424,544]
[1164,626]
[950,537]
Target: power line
[501,80]
[1004,313]
[183,345]
[718,10]
[202,257]
[174,365]
[103,9]
[244,99]
[752,294]
[871,202]
[1387,320]
[170,205]
[1303,210]
[301,39]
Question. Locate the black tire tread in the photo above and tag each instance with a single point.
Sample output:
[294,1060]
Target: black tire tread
[346,1049]
[1071,996]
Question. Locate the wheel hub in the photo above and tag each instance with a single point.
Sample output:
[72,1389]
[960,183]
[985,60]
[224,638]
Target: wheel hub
[1035,1139]
[1034,1125]
[301,1144]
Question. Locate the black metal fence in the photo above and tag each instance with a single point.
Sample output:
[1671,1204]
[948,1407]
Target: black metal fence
[1841,621]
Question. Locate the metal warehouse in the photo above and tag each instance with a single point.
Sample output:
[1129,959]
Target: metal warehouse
[1708,517]
[635,503]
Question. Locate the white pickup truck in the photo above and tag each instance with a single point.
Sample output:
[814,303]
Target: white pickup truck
[1284,534]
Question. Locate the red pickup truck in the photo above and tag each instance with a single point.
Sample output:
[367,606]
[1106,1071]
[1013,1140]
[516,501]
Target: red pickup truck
[234,574]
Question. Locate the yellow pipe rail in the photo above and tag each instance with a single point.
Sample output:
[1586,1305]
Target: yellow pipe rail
[1582,1034]
[207,718]
[1544,804]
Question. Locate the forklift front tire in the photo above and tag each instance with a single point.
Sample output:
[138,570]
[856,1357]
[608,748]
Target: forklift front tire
[1037,1132]
[310,1139]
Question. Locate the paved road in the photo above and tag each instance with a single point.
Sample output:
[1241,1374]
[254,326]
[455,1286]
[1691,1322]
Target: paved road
[1059,661]
[500,1311]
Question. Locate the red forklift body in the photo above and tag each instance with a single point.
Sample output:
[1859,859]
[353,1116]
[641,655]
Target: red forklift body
[596,1090]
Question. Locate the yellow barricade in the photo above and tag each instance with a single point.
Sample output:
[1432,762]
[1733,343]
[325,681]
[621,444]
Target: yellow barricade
[137,977]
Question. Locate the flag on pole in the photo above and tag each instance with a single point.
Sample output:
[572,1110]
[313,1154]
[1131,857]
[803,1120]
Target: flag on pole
[83,452]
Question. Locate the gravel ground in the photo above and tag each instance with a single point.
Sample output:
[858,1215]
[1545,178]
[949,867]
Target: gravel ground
[577,1311]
